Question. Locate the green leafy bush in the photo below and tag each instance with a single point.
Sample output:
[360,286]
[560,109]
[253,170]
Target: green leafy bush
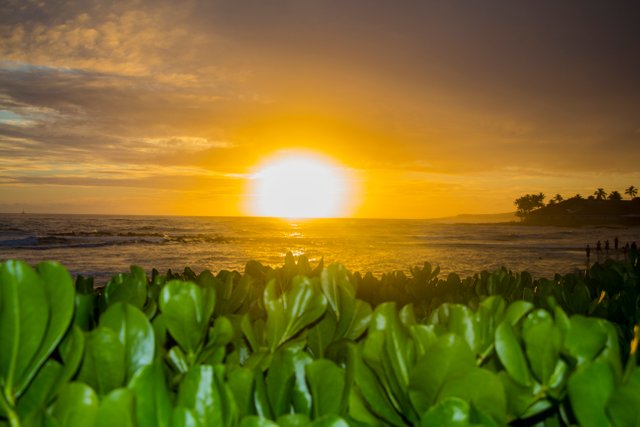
[320,346]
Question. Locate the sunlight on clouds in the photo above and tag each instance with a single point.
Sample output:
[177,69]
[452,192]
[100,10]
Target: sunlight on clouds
[180,143]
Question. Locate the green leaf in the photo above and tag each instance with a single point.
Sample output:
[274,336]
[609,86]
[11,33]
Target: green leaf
[59,290]
[623,407]
[183,417]
[370,390]
[71,351]
[327,384]
[293,420]
[449,357]
[516,311]
[241,383]
[186,310]
[103,362]
[329,420]
[543,341]
[451,412]
[177,360]
[321,335]
[293,310]
[584,339]
[286,382]
[390,353]
[511,355]
[460,320]
[134,333]
[480,387]
[24,314]
[52,376]
[116,409]
[39,393]
[130,288]
[76,406]
[204,392]
[256,421]
[423,336]
[152,397]
[589,390]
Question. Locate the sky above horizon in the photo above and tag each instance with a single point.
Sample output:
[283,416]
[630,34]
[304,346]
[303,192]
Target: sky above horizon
[433,108]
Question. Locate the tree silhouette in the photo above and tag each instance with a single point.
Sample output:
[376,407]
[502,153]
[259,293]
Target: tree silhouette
[615,195]
[631,191]
[558,198]
[527,203]
[600,194]
[578,196]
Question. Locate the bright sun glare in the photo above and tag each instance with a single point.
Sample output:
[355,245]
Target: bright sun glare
[299,186]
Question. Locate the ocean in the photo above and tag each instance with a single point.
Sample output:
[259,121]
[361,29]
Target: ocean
[101,245]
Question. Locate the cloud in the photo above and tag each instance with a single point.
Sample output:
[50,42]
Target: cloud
[212,87]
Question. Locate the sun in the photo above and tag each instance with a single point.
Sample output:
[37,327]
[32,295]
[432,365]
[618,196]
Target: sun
[299,185]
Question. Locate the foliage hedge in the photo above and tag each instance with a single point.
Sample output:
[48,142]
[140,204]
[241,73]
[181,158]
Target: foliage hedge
[322,346]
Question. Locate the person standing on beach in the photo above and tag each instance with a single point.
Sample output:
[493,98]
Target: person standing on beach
[588,251]
[606,246]
[615,243]
[598,247]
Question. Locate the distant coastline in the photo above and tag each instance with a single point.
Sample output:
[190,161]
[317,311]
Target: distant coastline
[587,212]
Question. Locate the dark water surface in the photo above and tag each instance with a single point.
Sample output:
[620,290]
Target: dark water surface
[104,245]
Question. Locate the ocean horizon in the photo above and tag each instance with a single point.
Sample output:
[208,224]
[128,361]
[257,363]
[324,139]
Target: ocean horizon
[103,245]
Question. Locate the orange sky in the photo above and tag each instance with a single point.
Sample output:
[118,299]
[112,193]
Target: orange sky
[434,108]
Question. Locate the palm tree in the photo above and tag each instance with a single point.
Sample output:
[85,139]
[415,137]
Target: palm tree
[615,195]
[600,194]
[558,198]
[631,191]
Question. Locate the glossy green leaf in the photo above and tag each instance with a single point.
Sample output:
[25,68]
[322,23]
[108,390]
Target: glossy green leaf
[623,406]
[129,288]
[177,360]
[447,358]
[241,383]
[40,392]
[293,420]
[71,351]
[134,333]
[152,396]
[286,384]
[321,335]
[390,353]
[116,409]
[76,406]
[451,412]
[584,339]
[260,396]
[516,311]
[372,393]
[256,421]
[490,313]
[329,420]
[480,387]
[186,310]
[422,336]
[589,390]
[184,417]
[511,355]
[327,385]
[543,342]
[59,291]
[204,392]
[293,310]
[24,315]
[103,361]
